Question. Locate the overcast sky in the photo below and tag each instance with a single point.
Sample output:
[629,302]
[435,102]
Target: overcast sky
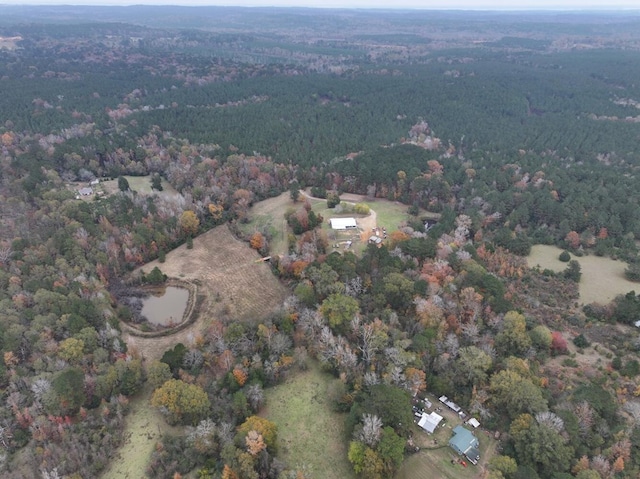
[424,4]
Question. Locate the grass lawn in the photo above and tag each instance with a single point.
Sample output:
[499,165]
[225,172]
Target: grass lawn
[309,432]
[602,278]
[144,427]
[269,215]
[142,185]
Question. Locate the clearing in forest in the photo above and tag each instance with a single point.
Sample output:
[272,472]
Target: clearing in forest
[268,216]
[144,427]
[232,285]
[310,433]
[142,185]
[602,278]
[436,460]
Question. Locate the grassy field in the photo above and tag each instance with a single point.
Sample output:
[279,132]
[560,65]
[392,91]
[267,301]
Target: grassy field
[602,278]
[309,432]
[142,185]
[144,426]
[269,215]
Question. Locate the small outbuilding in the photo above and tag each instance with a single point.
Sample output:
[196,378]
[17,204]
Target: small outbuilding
[376,240]
[429,422]
[473,422]
[465,444]
[343,223]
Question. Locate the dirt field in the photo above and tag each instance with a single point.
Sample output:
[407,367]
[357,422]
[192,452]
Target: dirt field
[309,432]
[602,278]
[233,284]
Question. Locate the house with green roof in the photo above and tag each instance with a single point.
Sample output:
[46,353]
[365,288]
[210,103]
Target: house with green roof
[465,444]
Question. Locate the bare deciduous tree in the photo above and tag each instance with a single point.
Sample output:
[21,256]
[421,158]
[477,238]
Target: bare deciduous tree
[371,430]
[550,420]
[584,413]
[255,396]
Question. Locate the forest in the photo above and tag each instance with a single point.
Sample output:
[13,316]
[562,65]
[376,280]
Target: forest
[516,129]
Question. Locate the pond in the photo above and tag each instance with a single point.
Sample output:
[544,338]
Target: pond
[167,308]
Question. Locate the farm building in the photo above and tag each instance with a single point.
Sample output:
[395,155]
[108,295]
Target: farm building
[473,422]
[465,444]
[343,223]
[429,422]
[376,240]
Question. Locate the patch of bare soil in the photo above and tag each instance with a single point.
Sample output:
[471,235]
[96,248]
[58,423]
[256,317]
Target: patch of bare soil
[233,285]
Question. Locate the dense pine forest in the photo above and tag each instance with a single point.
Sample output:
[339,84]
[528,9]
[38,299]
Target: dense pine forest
[513,130]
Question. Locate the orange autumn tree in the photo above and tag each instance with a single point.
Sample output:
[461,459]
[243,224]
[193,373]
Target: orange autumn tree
[618,465]
[255,442]
[228,473]
[572,239]
[240,375]
[416,380]
[257,241]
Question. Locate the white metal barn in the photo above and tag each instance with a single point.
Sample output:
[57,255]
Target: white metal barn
[343,223]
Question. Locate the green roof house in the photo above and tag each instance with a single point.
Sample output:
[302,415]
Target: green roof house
[465,444]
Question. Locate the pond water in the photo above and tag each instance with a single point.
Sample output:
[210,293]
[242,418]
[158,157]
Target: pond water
[166,308]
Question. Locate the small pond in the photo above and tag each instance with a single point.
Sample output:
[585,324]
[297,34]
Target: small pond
[167,308]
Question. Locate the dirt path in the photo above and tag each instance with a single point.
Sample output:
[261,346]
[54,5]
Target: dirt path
[483,470]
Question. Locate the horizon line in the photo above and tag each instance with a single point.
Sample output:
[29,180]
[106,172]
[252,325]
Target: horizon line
[524,9]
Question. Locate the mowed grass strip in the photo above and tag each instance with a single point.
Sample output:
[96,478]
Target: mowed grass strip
[309,432]
[602,278]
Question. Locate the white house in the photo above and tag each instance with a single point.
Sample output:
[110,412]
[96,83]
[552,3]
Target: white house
[343,223]
[429,422]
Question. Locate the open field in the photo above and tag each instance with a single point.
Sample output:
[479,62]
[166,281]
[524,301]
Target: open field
[144,426]
[142,185]
[268,215]
[602,278]
[309,432]
[234,285]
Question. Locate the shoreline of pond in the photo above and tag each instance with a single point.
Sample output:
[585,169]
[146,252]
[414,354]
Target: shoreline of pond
[188,317]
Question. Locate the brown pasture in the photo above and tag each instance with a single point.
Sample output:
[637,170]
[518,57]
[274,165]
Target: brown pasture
[233,285]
